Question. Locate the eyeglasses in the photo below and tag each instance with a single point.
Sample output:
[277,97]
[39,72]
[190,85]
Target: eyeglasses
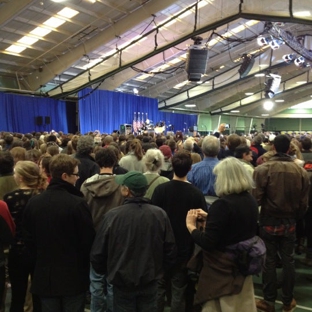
[75,174]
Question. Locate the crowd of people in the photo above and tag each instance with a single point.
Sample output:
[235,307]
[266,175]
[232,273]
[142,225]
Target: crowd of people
[127,219]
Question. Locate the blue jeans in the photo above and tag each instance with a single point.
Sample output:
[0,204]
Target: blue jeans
[285,245]
[101,293]
[63,303]
[179,282]
[136,300]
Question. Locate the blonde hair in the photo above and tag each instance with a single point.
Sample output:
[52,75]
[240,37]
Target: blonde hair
[29,171]
[231,177]
[153,159]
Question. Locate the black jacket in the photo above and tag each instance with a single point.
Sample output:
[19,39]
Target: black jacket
[58,229]
[134,244]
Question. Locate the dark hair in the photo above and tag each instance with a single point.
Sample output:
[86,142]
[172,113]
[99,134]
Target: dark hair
[45,163]
[6,162]
[51,138]
[306,144]
[106,158]
[233,141]
[62,163]
[241,150]
[33,155]
[281,143]
[181,163]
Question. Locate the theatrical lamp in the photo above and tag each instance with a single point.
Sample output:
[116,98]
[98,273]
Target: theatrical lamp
[300,62]
[248,62]
[272,85]
[268,105]
[262,41]
[275,44]
[288,58]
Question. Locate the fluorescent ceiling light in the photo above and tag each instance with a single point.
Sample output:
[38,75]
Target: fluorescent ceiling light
[15,48]
[27,40]
[190,105]
[40,31]
[54,22]
[265,114]
[302,13]
[234,111]
[57,1]
[259,75]
[249,93]
[279,101]
[301,82]
[67,12]
[307,104]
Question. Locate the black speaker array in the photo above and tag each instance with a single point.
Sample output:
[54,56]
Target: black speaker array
[39,120]
[196,64]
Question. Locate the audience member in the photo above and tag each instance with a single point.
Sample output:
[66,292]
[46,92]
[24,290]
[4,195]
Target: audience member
[201,174]
[133,159]
[279,212]
[140,232]
[59,233]
[7,181]
[176,208]
[30,182]
[231,222]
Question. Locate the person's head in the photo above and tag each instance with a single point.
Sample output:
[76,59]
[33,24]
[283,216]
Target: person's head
[27,173]
[257,140]
[18,153]
[181,163]
[74,142]
[107,140]
[136,147]
[210,146]
[133,184]
[231,177]
[51,138]
[64,167]
[44,163]
[306,144]
[106,158]
[85,145]
[6,163]
[33,155]
[166,150]
[243,152]
[153,159]
[172,144]
[222,127]
[188,144]
[233,141]
[53,150]
[281,143]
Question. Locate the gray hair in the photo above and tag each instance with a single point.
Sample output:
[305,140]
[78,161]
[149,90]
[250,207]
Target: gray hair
[153,159]
[188,145]
[85,145]
[211,146]
[231,177]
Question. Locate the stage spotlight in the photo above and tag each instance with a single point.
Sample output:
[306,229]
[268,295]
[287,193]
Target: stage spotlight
[262,41]
[268,105]
[248,62]
[272,85]
[135,91]
[275,44]
[300,62]
[288,58]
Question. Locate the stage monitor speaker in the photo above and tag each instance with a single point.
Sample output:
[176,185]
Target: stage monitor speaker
[196,64]
[39,120]
[47,120]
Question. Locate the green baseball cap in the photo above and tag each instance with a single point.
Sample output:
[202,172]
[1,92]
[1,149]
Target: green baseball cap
[134,180]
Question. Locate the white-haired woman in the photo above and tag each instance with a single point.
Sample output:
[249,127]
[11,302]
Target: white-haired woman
[231,219]
[153,160]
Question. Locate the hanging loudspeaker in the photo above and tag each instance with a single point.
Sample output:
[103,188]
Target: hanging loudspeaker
[38,120]
[47,120]
[196,64]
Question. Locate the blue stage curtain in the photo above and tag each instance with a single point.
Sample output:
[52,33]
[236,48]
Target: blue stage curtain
[18,113]
[106,110]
